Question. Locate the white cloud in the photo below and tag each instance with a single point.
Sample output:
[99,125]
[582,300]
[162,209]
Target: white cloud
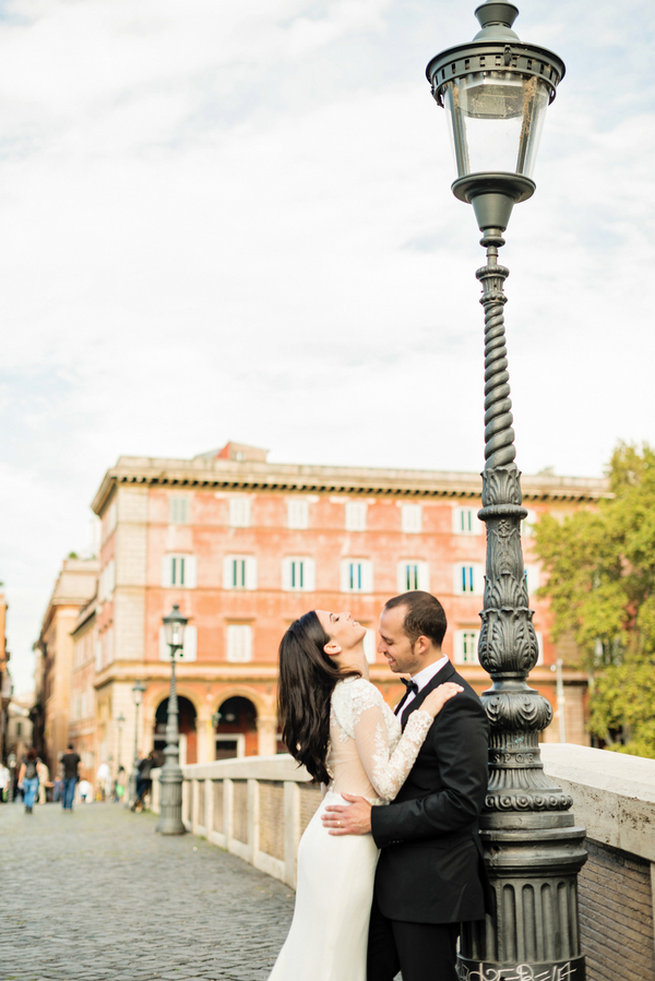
[242,211]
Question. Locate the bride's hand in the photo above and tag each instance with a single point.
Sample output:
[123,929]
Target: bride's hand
[436,700]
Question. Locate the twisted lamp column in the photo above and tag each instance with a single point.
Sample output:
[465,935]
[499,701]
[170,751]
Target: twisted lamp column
[533,852]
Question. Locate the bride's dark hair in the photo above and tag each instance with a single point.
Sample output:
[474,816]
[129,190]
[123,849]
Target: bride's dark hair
[307,680]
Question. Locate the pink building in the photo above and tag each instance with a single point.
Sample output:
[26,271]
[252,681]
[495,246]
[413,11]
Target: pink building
[244,546]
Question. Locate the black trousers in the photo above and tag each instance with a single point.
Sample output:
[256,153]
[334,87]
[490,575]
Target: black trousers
[422,951]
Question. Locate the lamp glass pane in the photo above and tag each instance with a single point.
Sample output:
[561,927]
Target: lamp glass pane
[174,631]
[496,121]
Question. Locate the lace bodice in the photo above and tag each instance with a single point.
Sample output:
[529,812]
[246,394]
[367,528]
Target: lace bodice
[367,754]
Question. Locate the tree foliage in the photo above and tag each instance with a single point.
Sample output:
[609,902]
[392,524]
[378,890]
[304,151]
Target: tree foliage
[600,568]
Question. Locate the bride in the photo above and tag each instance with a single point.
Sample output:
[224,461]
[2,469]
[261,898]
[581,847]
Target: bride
[336,723]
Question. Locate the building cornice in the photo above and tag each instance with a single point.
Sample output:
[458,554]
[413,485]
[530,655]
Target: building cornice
[86,615]
[160,671]
[231,475]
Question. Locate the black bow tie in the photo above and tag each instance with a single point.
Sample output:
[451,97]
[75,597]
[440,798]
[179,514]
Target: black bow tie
[410,685]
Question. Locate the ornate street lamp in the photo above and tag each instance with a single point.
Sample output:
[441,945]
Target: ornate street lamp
[170,780]
[138,688]
[496,90]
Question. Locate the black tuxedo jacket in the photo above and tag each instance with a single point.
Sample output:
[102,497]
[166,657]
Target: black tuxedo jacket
[430,868]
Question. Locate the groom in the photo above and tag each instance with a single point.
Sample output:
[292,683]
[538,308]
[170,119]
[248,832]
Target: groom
[430,873]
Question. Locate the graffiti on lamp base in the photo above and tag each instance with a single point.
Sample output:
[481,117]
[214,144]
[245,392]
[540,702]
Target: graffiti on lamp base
[521,972]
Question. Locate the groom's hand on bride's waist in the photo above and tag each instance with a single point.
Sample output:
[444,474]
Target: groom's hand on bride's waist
[348,819]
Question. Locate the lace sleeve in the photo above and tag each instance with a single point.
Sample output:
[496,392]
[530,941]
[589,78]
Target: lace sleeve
[387,770]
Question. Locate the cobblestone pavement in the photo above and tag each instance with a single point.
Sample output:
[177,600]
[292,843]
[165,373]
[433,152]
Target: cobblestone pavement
[98,894]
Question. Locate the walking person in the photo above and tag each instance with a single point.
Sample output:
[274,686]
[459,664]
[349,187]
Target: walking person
[118,788]
[144,780]
[28,780]
[336,723]
[43,774]
[4,783]
[103,782]
[430,876]
[70,762]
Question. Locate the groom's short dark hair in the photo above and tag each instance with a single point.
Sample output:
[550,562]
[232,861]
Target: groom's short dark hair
[425,615]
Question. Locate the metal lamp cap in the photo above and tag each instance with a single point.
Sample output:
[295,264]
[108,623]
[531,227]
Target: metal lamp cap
[496,18]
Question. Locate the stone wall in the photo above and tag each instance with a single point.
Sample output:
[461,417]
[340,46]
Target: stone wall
[618,944]
[614,799]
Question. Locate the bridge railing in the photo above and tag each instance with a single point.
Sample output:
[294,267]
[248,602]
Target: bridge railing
[258,807]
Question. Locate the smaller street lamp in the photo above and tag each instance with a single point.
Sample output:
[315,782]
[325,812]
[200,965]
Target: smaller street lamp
[11,763]
[217,718]
[170,780]
[138,688]
[121,722]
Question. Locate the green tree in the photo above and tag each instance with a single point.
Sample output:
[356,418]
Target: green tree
[600,568]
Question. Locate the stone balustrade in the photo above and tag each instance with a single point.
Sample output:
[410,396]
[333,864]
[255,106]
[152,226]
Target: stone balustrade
[257,808]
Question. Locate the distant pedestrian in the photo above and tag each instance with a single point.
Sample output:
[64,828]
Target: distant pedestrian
[28,780]
[4,783]
[43,774]
[58,788]
[144,780]
[119,785]
[85,791]
[103,782]
[70,762]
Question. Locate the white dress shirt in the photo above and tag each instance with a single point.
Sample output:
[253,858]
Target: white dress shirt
[424,677]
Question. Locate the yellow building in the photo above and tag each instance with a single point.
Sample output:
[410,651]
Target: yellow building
[75,585]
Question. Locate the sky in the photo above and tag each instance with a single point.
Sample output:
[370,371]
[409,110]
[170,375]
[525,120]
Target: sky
[233,221]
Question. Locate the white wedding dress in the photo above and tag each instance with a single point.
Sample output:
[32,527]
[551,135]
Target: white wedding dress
[367,756]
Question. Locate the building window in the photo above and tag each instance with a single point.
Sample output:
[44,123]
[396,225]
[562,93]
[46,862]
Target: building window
[411,518]
[466,521]
[468,579]
[356,576]
[413,574]
[466,646]
[239,642]
[179,571]
[239,512]
[179,510]
[105,652]
[297,513]
[298,573]
[190,650]
[239,572]
[109,521]
[107,581]
[356,515]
